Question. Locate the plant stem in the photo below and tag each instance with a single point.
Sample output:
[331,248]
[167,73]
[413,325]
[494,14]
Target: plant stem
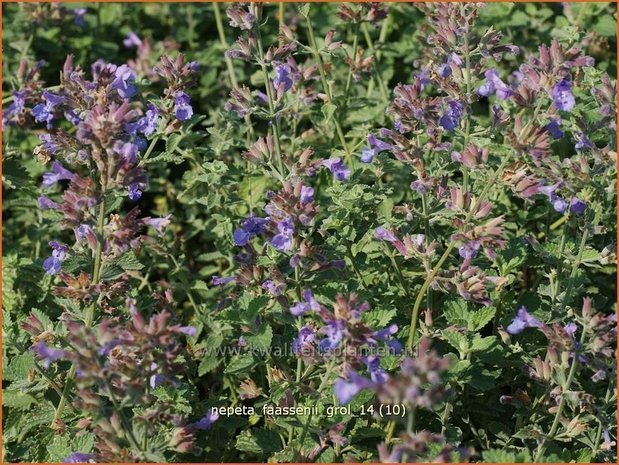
[90,315]
[149,150]
[467,124]
[555,424]
[229,65]
[381,39]
[327,89]
[415,313]
[275,122]
[355,45]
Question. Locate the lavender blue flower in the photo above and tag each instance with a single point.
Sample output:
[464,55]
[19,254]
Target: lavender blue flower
[582,142]
[57,173]
[80,457]
[132,40]
[44,112]
[283,240]
[134,191]
[334,332]
[562,96]
[345,391]
[217,281]
[47,354]
[307,195]
[523,320]
[52,264]
[283,77]
[182,108]
[384,234]
[147,125]
[340,171]
[310,304]
[554,129]
[577,206]
[304,339]
[206,422]
[124,82]
[494,85]
[452,115]
[45,203]
[80,14]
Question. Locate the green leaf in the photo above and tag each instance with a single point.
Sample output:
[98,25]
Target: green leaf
[17,399]
[481,344]
[262,339]
[328,110]
[259,441]
[240,364]
[480,318]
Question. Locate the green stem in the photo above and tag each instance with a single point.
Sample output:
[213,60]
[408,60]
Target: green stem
[416,307]
[149,150]
[467,124]
[564,389]
[90,315]
[323,384]
[355,45]
[267,84]
[327,89]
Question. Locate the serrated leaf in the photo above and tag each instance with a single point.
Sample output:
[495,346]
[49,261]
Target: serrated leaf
[259,441]
[262,339]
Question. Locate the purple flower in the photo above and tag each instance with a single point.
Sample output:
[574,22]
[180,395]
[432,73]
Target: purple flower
[340,171]
[48,354]
[79,16]
[582,142]
[577,206]
[368,154]
[217,281]
[558,203]
[188,330]
[452,115]
[283,240]
[570,329]
[148,123]
[207,421]
[452,59]
[562,96]
[384,234]
[273,288]
[44,112]
[57,173]
[134,192]
[53,263]
[469,250]
[334,332]
[307,195]
[522,321]
[45,203]
[251,226]
[377,374]
[182,108]
[282,77]
[158,223]
[132,40]
[304,339]
[345,391]
[155,379]
[310,304]
[494,85]
[80,457]
[124,82]
[375,146]
[85,232]
[127,150]
[554,129]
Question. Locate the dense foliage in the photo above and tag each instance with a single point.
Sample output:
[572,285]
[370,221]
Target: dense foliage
[309,232]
